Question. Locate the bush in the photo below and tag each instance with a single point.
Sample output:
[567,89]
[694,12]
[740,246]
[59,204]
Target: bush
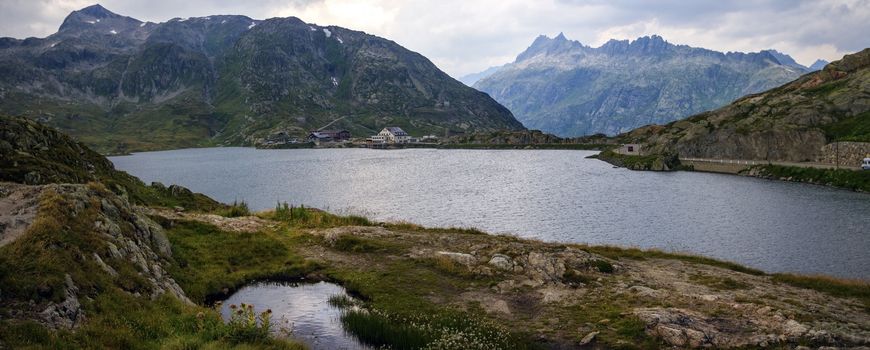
[313,218]
[235,210]
[602,266]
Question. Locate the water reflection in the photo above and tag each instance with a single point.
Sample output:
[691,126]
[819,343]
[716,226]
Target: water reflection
[300,309]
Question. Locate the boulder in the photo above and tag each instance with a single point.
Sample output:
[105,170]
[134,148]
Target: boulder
[462,258]
[502,262]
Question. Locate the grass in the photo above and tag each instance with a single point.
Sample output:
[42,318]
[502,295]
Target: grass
[354,244]
[843,178]
[211,263]
[572,277]
[303,217]
[718,282]
[234,210]
[399,313]
[617,253]
[59,243]
[602,266]
[610,316]
[833,286]
[855,128]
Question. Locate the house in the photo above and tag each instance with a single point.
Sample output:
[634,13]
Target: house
[393,134]
[429,138]
[630,149]
[318,137]
[335,135]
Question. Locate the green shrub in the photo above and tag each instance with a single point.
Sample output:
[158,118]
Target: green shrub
[572,277]
[313,218]
[235,210]
[602,266]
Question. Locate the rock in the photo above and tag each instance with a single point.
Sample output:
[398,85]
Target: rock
[644,291]
[104,266]
[543,268]
[794,329]
[66,314]
[588,338]
[178,209]
[502,262]
[462,258]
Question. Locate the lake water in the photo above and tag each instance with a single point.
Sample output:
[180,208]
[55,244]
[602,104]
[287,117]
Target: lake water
[302,310]
[552,195]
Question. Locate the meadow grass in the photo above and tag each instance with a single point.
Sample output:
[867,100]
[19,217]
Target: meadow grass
[210,263]
[843,178]
[302,217]
[838,287]
[237,209]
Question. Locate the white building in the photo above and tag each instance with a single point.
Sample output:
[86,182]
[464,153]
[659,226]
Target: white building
[392,134]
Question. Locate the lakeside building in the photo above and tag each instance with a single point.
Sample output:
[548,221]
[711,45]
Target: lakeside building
[329,136]
[392,134]
[632,149]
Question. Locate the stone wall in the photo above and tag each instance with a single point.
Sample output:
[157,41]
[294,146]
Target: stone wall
[850,153]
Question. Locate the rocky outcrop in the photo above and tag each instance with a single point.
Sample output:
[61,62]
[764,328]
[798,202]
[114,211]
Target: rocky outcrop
[118,237]
[795,122]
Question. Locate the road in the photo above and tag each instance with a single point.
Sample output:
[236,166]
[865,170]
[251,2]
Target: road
[745,163]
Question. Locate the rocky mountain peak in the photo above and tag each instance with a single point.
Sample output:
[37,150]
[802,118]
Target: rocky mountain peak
[818,65]
[97,11]
[544,45]
[649,45]
[95,16]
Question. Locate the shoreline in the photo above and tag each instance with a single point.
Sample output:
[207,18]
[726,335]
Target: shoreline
[845,179]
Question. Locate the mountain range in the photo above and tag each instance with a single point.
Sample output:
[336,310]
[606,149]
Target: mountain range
[567,88]
[120,84]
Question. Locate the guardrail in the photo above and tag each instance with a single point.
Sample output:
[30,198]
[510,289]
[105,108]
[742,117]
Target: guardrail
[725,161]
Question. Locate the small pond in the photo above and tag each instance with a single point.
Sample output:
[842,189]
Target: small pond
[301,308]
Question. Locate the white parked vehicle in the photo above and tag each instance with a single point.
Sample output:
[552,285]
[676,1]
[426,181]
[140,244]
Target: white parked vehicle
[866,164]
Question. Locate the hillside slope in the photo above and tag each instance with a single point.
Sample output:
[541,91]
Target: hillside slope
[120,84]
[569,89]
[84,266]
[793,122]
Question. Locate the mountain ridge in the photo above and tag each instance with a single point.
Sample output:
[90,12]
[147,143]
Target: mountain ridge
[567,88]
[121,85]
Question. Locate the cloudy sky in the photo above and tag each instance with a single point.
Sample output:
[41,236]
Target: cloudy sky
[466,36]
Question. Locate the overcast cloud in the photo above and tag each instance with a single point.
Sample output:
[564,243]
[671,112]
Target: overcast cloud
[467,36]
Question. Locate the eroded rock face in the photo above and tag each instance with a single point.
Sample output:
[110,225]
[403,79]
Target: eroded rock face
[124,235]
[68,313]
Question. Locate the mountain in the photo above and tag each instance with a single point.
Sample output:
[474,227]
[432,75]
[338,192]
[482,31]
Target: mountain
[564,87]
[120,84]
[786,60]
[795,122]
[472,78]
[818,65]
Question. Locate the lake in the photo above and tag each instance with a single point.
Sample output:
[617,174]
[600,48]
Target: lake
[551,195]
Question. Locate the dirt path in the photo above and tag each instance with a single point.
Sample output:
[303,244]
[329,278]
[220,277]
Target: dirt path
[18,207]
